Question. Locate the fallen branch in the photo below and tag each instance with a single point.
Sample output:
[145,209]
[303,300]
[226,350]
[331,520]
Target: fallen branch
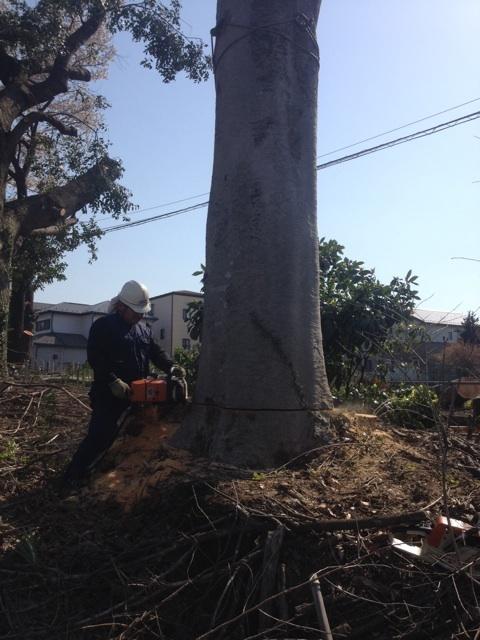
[377,522]
[50,386]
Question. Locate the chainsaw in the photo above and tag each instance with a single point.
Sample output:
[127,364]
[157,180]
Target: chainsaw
[149,396]
[168,391]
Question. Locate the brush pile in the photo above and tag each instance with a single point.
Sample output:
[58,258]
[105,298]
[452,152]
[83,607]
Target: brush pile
[163,545]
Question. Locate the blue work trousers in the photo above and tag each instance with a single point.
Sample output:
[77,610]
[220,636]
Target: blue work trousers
[102,430]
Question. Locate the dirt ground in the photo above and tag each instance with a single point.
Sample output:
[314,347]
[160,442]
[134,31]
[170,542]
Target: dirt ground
[164,545]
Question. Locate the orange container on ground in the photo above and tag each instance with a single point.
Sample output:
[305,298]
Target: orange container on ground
[149,391]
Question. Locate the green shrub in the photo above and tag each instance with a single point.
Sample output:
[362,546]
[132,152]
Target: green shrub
[188,359]
[368,394]
[414,407]
[8,450]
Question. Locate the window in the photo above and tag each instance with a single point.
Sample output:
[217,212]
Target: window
[186,344]
[185,315]
[42,325]
[450,335]
[162,334]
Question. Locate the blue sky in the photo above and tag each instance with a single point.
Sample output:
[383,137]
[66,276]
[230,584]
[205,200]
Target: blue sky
[384,63]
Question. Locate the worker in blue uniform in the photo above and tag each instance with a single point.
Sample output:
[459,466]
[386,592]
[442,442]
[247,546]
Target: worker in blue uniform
[119,350]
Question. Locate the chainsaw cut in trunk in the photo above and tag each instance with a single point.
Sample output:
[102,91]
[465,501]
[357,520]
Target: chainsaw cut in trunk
[262,391]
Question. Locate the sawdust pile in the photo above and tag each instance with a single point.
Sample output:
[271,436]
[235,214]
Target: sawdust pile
[140,462]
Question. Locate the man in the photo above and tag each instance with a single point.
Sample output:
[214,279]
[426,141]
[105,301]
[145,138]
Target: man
[119,350]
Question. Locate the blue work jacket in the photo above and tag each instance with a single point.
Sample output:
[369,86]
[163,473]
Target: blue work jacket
[116,349]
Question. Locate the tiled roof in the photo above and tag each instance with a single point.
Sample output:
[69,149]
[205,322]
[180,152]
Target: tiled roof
[75,308]
[74,340]
[439,317]
[100,307]
[40,306]
[182,292]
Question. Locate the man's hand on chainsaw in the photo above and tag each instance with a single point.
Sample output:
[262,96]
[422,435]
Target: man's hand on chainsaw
[120,389]
[178,372]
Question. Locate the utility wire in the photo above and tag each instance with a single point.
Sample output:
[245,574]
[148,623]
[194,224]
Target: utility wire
[462,258]
[323,155]
[162,216]
[403,126]
[159,206]
[353,156]
[393,143]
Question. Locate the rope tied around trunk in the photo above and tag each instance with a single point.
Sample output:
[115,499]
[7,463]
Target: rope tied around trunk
[300,20]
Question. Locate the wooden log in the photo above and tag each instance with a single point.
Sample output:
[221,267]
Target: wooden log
[376,522]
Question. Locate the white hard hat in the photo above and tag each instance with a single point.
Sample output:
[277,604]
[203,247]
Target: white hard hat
[134,295]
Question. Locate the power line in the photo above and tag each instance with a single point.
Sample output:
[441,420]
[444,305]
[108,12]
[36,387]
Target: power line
[162,216]
[159,206]
[323,155]
[393,143]
[462,258]
[403,126]
[353,156]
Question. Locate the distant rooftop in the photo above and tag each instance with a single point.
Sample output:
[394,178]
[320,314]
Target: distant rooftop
[439,317]
[72,340]
[79,308]
[72,307]
[181,292]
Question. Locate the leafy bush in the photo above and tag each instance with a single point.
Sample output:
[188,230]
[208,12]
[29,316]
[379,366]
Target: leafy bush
[414,407]
[368,394]
[188,359]
[8,450]
[362,318]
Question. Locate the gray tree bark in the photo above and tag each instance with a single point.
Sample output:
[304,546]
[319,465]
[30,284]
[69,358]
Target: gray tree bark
[262,388]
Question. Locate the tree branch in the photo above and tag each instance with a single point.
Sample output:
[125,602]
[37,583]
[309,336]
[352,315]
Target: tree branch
[76,39]
[79,73]
[55,207]
[37,116]
[21,95]
[9,67]
[54,229]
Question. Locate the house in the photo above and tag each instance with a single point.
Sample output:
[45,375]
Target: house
[440,328]
[61,330]
[170,329]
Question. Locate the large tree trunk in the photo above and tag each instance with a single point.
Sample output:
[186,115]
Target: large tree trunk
[7,239]
[262,386]
[20,320]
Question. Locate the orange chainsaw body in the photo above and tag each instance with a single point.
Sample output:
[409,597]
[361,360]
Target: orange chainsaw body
[148,391]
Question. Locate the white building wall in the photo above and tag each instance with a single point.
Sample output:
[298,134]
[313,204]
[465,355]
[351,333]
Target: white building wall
[442,332]
[86,323]
[67,323]
[162,328]
[179,332]
[41,317]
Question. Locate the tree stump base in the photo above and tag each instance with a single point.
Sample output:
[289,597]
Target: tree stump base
[252,439]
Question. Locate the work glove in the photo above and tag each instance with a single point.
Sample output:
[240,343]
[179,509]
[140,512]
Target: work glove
[177,371]
[120,389]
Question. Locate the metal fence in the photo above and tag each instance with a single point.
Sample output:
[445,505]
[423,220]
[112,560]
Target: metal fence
[60,372]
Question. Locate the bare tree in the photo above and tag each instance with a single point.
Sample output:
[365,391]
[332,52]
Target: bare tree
[262,388]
